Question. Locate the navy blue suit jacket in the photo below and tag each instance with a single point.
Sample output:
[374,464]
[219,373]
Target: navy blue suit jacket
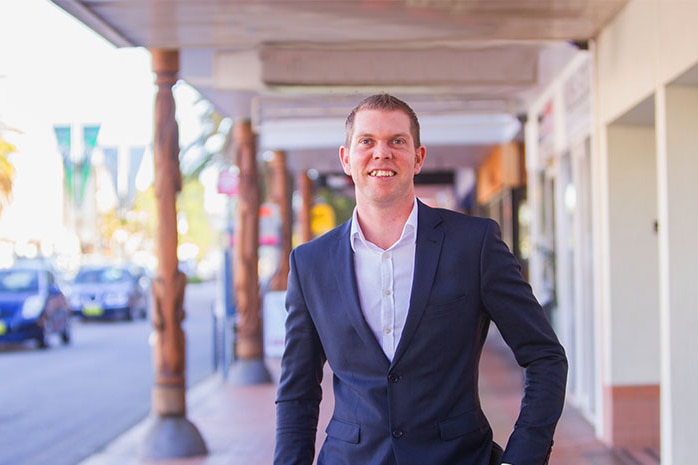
[422,408]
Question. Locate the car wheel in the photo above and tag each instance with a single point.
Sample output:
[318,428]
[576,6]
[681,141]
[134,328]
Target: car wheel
[65,334]
[144,312]
[42,340]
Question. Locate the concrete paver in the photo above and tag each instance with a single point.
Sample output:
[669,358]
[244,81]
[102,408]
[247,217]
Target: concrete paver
[237,422]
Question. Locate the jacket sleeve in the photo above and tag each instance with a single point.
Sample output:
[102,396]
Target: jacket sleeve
[300,392]
[510,302]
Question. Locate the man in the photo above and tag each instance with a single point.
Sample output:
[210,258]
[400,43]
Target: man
[398,301]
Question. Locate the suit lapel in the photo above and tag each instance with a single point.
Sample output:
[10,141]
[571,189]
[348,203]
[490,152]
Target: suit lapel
[427,254]
[344,272]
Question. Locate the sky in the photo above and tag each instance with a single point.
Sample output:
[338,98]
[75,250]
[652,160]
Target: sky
[56,71]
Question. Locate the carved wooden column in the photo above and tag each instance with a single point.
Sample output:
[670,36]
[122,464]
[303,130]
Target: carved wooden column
[305,185]
[249,366]
[172,435]
[280,194]
[169,283]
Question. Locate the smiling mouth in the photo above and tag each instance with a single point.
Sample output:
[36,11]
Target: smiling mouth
[381,173]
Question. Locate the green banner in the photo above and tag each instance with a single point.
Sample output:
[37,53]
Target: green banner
[89,137]
[77,171]
[63,134]
[63,138]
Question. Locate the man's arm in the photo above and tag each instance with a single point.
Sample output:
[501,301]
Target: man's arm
[299,393]
[521,321]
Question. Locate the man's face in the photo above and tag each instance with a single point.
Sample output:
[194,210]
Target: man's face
[381,158]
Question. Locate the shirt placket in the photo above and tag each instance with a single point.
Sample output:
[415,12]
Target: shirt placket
[387,303]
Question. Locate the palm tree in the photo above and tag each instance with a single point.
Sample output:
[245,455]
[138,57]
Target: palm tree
[7,170]
[207,149]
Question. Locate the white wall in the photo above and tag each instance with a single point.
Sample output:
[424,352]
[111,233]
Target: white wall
[650,42]
[633,316]
[678,191]
[638,55]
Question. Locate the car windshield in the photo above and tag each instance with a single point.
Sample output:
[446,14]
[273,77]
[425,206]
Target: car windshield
[19,281]
[101,276]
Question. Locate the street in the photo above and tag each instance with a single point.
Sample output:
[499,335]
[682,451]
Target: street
[60,405]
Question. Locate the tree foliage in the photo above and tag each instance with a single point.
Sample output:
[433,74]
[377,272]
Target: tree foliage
[205,149]
[7,171]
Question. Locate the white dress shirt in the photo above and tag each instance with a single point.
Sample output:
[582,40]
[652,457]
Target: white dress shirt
[384,279]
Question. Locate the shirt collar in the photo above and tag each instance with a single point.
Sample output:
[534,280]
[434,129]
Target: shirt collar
[409,231]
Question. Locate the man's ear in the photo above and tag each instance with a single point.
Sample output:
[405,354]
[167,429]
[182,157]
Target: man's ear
[419,159]
[344,159]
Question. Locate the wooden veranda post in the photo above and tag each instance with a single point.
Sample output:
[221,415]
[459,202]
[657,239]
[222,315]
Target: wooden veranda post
[172,435]
[249,367]
[280,194]
[306,188]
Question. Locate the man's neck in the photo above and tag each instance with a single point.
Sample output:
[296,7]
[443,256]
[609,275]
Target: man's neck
[383,226]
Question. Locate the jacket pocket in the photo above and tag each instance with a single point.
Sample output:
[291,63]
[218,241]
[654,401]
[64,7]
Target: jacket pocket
[472,422]
[435,310]
[348,432]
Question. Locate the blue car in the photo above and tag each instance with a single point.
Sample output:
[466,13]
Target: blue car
[109,292]
[32,306]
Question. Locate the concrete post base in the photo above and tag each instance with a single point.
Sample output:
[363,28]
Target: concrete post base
[249,371]
[172,437]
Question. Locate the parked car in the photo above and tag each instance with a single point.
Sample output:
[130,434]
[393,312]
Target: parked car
[32,305]
[111,291]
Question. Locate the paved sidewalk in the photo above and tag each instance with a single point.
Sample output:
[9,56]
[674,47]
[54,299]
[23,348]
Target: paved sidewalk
[237,422]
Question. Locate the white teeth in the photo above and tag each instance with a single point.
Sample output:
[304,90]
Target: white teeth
[382,173]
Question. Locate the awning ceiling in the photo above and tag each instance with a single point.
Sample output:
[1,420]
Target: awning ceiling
[468,67]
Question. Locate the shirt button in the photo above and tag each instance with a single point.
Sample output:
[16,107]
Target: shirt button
[397,433]
[387,330]
[386,255]
[386,292]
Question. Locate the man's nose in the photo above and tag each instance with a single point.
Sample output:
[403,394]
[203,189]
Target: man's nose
[382,150]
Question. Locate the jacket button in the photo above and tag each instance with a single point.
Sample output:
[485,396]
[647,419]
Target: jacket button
[397,433]
[394,378]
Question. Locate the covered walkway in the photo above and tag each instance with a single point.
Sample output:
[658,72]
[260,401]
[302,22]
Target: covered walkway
[237,422]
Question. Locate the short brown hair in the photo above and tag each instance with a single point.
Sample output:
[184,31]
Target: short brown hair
[386,102]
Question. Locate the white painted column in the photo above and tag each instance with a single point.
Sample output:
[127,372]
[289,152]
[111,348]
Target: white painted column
[677,173]
[533,200]
[564,264]
[600,220]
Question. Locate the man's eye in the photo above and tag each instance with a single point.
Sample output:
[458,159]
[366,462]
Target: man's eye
[364,141]
[398,141]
